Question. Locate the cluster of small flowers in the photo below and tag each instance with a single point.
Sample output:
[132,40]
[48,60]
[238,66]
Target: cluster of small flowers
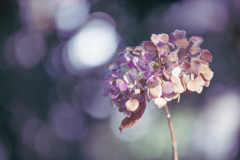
[159,70]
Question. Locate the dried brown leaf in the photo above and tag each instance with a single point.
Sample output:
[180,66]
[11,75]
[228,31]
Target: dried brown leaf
[128,122]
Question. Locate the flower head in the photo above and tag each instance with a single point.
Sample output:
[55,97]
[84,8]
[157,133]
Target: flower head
[158,70]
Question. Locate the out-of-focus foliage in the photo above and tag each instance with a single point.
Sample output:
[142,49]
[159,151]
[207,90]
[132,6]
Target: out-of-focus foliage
[52,65]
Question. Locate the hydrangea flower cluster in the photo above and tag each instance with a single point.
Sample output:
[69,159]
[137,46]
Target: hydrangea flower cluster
[158,70]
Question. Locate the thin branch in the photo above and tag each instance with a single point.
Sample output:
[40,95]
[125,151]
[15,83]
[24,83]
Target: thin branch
[174,143]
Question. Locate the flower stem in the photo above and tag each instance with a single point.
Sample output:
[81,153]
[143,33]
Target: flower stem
[174,143]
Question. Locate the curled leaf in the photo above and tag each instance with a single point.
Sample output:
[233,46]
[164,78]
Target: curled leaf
[128,122]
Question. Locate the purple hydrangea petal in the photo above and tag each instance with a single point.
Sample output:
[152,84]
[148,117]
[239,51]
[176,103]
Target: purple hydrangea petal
[116,74]
[179,34]
[148,73]
[106,91]
[152,78]
[131,65]
[176,35]
[149,56]
[114,95]
[121,84]
[128,56]
[107,79]
[161,44]
[135,61]
[159,73]
[140,98]
[133,74]
[142,65]
[113,66]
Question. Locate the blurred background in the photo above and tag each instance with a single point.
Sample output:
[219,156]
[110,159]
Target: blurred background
[53,57]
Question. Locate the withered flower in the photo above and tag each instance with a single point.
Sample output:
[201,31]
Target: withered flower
[158,70]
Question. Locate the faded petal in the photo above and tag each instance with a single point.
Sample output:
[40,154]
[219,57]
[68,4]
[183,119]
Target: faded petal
[206,56]
[113,66]
[169,97]
[152,78]
[196,84]
[148,73]
[138,50]
[178,34]
[128,57]
[196,40]
[149,46]
[155,92]
[133,74]
[163,37]
[173,57]
[207,83]
[195,51]
[160,102]
[182,43]
[135,61]
[206,72]
[178,88]
[115,95]
[106,91]
[176,71]
[166,74]
[116,74]
[150,53]
[195,67]
[142,65]
[175,79]
[107,79]
[149,56]
[154,39]
[199,90]
[127,78]
[204,69]
[132,105]
[208,76]
[129,49]
[167,87]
